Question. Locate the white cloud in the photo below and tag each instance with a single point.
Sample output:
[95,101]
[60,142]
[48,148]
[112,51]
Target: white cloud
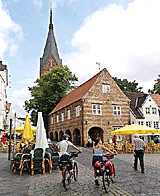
[124,40]
[38,3]
[10,33]
[17,99]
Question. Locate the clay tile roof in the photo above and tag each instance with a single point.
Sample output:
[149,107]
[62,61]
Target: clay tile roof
[156,98]
[76,94]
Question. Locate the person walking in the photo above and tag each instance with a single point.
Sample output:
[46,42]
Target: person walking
[63,150]
[89,141]
[138,151]
[114,140]
[97,155]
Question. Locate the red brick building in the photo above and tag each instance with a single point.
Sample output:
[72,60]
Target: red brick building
[95,108]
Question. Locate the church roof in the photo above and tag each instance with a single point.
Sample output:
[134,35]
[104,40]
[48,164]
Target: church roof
[50,47]
[76,94]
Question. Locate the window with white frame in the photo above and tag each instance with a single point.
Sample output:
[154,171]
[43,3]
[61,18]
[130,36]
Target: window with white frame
[96,109]
[57,118]
[147,110]
[117,110]
[68,114]
[62,115]
[106,88]
[154,111]
[140,122]
[52,120]
[78,110]
[148,123]
[156,124]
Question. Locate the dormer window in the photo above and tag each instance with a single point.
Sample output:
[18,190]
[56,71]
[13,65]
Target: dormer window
[106,88]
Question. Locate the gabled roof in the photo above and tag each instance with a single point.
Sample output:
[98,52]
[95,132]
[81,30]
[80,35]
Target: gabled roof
[50,47]
[156,98]
[137,99]
[76,94]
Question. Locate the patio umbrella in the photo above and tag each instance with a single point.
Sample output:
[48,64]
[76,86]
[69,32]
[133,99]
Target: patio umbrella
[134,128]
[21,129]
[41,139]
[27,134]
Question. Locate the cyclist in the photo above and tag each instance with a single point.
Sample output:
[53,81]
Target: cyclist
[97,155]
[63,154]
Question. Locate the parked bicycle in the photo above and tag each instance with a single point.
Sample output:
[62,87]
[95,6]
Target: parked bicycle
[71,169]
[106,170]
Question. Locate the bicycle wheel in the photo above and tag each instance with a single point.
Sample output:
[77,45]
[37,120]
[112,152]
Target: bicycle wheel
[106,181]
[75,171]
[67,179]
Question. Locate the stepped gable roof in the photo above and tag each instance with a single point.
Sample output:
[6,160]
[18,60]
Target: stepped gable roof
[137,99]
[156,98]
[76,94]
[50,47]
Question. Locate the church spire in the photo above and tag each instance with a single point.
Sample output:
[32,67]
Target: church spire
[50,56]
[51,25]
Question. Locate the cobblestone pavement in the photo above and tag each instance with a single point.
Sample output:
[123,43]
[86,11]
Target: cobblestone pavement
[128,182]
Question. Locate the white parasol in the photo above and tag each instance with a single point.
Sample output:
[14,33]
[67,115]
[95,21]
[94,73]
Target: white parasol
[41,138]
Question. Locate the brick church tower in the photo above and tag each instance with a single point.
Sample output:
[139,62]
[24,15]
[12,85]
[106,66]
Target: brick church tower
[50,55]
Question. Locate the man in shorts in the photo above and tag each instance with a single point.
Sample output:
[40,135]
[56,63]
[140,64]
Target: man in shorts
[63,154]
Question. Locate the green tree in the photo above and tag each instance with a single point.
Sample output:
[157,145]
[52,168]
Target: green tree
[156,87]
[125,85]
[48,92]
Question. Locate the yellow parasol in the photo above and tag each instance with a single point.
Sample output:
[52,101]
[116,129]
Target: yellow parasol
[27,134]
[132,129]
[21,129]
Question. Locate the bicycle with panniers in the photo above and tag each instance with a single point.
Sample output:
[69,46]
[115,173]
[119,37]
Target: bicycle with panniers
[106,170]
[71,168]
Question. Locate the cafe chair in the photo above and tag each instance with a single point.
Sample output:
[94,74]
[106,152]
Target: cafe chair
[21,161]
[52,159]
[4,147]
[37,161]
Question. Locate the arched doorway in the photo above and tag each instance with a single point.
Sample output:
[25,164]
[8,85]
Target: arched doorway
[51,136]
[56,136]
[76,137]
[95,132]
[61,135]
[69,133]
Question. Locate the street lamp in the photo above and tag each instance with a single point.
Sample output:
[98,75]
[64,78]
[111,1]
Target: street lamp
[11,117]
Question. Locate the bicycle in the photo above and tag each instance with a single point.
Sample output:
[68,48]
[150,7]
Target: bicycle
[71,170]
[106,170]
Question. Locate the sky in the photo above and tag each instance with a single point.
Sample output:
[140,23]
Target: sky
[122,35]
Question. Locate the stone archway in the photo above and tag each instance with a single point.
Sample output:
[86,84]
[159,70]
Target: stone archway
[51,136]
[69,133]
[95,132]
[76,137]
[61,135]
[56,136]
